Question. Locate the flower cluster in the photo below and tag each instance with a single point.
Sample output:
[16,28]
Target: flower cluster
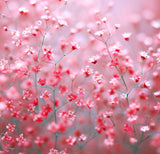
[79,76]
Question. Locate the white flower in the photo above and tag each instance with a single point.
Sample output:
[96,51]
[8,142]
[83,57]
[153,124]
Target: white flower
[144,128]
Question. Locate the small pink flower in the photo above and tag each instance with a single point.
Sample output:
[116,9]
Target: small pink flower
[20,139]
[109,141]
[45,95]
[18,43]
[98,78]
[87,71]
[52,127]
[136,78]
[107,114]
[99,33]
[75,45]
[3,63]
[82,138]
[6,137]
[145,128]
[71,140]
[71,97]
[117,26]
[127,128]
[23,10]
[41,81]
[156,94]
[11,127]
[94,59]
[157,107]
[133,140]
[90,104]
[126,36]
[144,55]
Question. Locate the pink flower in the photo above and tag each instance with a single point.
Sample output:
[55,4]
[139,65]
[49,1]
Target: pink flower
[144,128]
[71,140]
[126,36]
[11,127]
[109,141]
[127,128]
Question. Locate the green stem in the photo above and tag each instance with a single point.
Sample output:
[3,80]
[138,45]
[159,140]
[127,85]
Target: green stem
[43,39]
[127,99]
[36,80]
[61,106]
[111,118]
[61,58]
[55,117]
[94,135]
[39,51]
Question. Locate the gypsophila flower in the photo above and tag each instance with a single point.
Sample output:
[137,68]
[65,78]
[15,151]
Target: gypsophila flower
[52,127]
[87,71]
[123,96]
[126,36]
[104,19]
[114,81]
[109,141]
[29,51]
[133,140]
[90,104]
[117,26]
[156,94]
[127,128]
[144,55]
[147,84]
[155,24]
[82,138]
[81,91]
[132,118]
[54,151]
[11,127]
[136,78]
[45,95]
[3,63]
[107,114]
[20,139]
[99,33]
[98,78]
[75,45]
[23,10]
[145,128]
[6,137]
[157,107]
[71,140]
[94,59]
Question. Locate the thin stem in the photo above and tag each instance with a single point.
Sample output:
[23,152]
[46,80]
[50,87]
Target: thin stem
[61,58]
[108,50]
[36,80]
[94,135]
[55,117]
[43,39]
[127,99]
[54,107]
[111,118]
[46,86]
[134,130]
[59,61]
[61,106]
[39,51]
